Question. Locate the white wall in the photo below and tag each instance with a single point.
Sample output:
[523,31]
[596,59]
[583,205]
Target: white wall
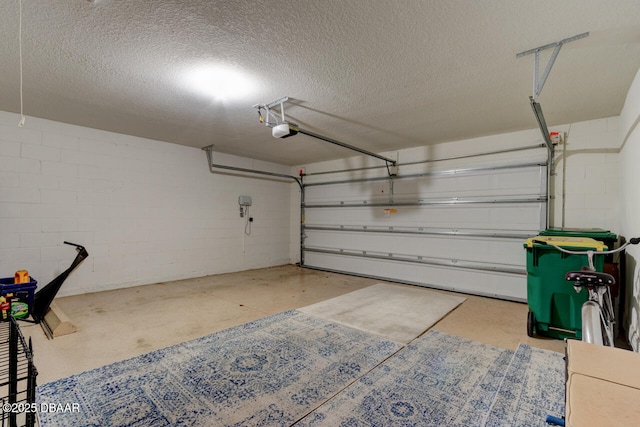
[587,165]
[147,211]
[630,205]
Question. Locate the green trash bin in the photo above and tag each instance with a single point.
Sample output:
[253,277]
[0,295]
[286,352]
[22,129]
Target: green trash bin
[554,306]
[610,240]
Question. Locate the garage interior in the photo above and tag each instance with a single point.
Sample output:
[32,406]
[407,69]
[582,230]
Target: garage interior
[223,162]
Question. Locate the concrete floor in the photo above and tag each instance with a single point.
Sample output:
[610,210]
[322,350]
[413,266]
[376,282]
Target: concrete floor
[115,325]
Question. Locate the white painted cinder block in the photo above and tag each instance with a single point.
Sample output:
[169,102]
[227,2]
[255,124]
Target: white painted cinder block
[38,240]
[59,224]
[20,195]
[9,148]
[146,210]
[9,210]
[27,134]
[58,169]
[60,140]
[13,259]
[9,240]
[40,152]
[19,165]
[54,196]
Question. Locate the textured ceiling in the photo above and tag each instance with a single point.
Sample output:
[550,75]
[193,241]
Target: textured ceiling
[381,75]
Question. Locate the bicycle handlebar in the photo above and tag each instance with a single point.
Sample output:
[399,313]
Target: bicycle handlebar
[73,244]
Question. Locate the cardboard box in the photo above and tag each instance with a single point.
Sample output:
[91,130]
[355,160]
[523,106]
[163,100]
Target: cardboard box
[603,385]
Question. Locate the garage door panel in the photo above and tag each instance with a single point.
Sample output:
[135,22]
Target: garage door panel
[503,251]
[486,184]
[505,286]
[501,217]
[444,229]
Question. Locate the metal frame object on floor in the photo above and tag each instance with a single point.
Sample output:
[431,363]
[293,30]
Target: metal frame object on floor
[44,297]
[17,376]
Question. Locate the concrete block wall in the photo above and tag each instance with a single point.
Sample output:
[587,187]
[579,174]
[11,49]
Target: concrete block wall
[587,175]
[147,211]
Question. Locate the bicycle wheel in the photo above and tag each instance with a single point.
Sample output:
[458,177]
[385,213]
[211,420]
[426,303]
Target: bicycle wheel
[606,338]
[607,329]
[591,325]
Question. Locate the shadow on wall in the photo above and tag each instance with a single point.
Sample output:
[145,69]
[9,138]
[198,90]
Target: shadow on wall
[407,190]
[633,305]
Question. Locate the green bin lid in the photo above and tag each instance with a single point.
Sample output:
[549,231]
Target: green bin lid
[593,233]
[577,243]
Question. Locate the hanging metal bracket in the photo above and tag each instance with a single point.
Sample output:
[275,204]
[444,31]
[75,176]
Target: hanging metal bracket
[538,84]
[269,116]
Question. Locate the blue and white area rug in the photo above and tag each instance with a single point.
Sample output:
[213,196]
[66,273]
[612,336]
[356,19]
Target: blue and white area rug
[270,372]
[444,380]
[294,369]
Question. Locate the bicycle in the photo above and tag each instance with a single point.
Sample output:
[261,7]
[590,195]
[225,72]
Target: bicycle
[598,316]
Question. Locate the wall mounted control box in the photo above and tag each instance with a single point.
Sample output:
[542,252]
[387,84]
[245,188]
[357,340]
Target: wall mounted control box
[244,200]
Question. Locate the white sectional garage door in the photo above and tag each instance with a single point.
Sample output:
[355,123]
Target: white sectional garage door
[459,229]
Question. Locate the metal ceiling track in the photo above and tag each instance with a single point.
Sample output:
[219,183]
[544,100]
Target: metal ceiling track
[538,84]
[422,162]
[272,115]
[212,166]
